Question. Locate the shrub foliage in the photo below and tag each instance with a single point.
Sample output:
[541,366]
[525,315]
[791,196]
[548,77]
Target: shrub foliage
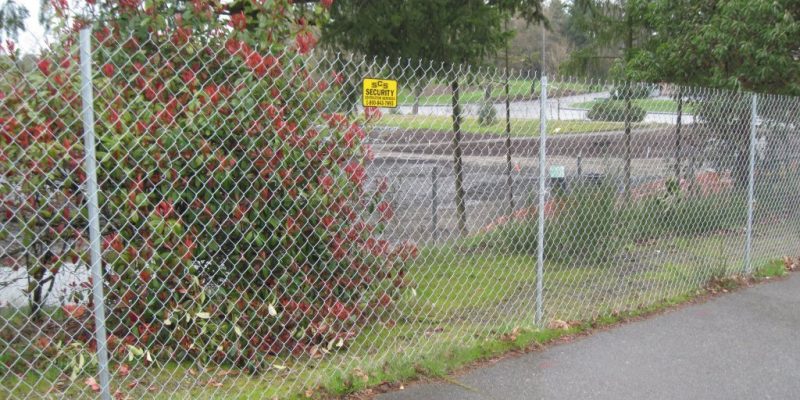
[616,110]
[236,222]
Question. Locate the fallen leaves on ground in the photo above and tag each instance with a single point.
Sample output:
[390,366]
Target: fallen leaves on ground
[558,324]
[789,263]
[358,373]
[227,372]
[430,332]
[213,382]
[43,342]
[511,336]
[124,370]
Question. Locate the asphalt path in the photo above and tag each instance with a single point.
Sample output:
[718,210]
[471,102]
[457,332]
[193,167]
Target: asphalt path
[742,345]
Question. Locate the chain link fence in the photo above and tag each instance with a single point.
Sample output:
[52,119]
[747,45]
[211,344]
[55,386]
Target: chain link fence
[183,221]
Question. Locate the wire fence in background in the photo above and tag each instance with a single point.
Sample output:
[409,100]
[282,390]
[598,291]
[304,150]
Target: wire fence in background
[259,233]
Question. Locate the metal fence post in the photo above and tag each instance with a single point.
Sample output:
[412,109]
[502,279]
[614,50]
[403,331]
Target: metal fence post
[87,116]
[542,188]
[748,250]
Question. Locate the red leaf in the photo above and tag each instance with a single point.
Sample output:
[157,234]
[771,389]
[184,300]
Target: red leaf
[340,311]
[326,182]
[386,210]
[44,66]
[305,42]
[92,383]
[74,310]
[239,21]
[43,342]
[124,370]
[165,209]
[145,276]
[108,70]
[385,299]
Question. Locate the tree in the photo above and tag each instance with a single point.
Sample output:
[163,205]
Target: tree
[603,33]
[612,25]
[525,48]
[447,31]
[734,44]
[450,31]
[12,19]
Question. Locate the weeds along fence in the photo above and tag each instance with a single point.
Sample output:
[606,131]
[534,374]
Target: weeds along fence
[183,220]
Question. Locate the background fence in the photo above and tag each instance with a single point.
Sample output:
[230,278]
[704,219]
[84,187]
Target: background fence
[257,233]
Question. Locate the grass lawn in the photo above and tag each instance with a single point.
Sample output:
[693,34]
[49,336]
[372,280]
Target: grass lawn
[519,127]
[649,105]
[474,94]
[462,306]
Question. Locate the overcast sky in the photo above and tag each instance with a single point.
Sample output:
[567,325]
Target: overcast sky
[32,37]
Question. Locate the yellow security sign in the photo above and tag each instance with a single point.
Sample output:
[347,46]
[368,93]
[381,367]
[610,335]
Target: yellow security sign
[379,93]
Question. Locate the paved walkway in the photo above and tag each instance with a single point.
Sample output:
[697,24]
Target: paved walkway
[744,345]
[557,108]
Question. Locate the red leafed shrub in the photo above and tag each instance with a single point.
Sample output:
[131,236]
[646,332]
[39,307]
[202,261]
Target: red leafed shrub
[41,155]
[236,220]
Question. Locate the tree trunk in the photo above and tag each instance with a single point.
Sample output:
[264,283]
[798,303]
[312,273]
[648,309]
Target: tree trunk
[534,93]
[692,180]
[417,95]
[509,179]
[678,136]
[628,49]
[37,298]
[36,304]
[627,183]
[461,211]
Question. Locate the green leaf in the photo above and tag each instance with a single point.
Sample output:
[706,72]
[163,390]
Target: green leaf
[135,351]
[203,315]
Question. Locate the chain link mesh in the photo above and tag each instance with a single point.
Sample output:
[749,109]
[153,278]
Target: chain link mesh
[263,233]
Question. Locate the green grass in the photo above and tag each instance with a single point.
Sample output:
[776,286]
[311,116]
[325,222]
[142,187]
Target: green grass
[773,268]
[472,94]
[649,105]
[519,127]
[466,304]
[446,360]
